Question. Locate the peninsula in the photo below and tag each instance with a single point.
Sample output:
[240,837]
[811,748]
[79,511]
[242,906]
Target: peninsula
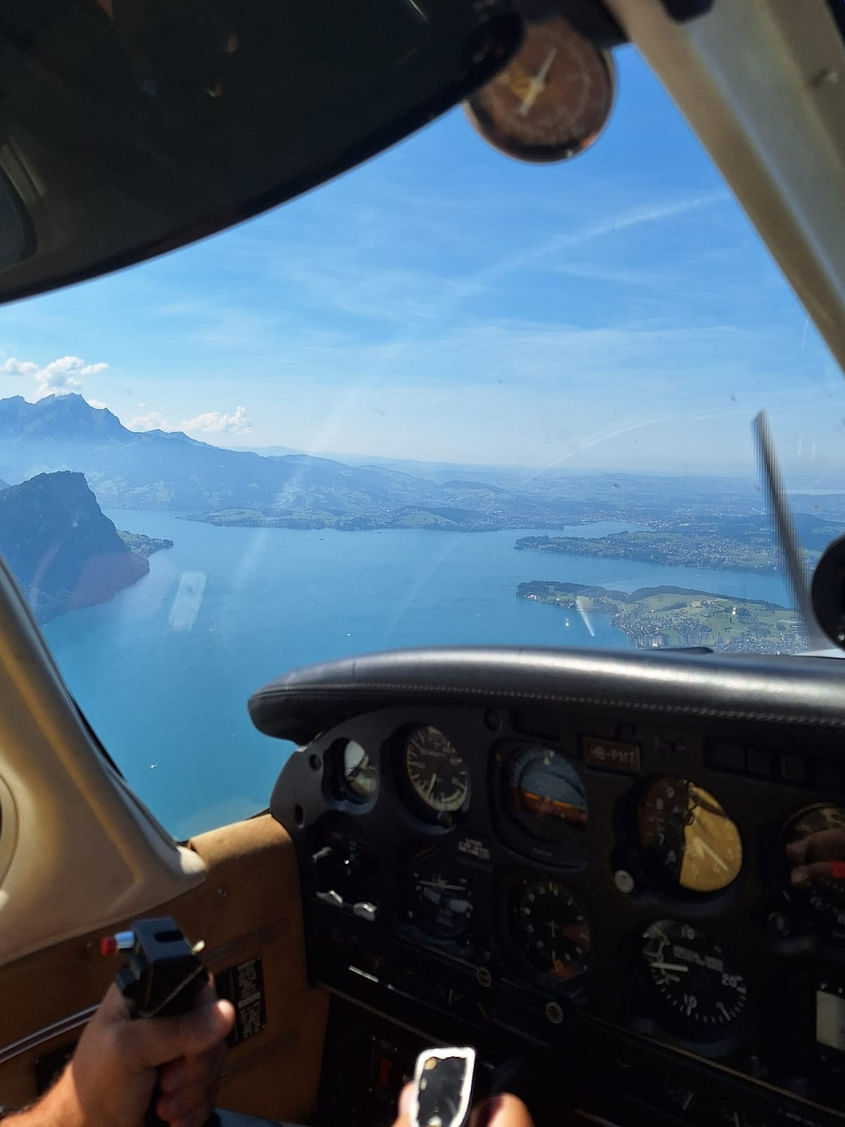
[61,548]
[684,549]
[739,543]
[654,617]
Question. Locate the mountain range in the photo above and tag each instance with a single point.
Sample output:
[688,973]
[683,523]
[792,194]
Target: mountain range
[169,470]
[69,458]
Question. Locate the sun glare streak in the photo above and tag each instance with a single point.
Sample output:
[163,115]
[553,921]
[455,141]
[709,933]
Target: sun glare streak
[417,10]
[585,618]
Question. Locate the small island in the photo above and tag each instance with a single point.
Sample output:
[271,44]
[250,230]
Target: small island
[654,617]
[144,546]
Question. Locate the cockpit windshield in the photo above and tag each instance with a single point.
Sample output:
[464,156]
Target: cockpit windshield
[446,398]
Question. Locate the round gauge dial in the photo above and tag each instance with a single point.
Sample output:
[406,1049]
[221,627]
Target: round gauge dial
[693,987]
[545,793]
[550,925]
[687,838]
[438,776]
[440,895]
[553,98]
[358,772]
[815,852]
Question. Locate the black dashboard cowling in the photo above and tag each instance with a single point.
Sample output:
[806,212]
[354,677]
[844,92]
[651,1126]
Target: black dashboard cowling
[428,916]
[802,692]
[429,919]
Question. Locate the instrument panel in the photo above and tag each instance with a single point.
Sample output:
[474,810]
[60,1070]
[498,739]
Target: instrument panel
[538,877]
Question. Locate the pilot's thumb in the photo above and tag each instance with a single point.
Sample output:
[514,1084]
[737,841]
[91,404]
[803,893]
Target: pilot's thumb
[159,1040]
[503,1110]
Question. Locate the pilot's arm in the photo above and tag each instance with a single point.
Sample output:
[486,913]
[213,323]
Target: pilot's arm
[110,1079]
[818,856]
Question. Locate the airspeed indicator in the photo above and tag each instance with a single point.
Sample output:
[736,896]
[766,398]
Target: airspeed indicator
[438,777]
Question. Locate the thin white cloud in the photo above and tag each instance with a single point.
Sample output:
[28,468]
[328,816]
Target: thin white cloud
[219,324]
[611,275]
[60,377]
[19,367]
[416,296]
[154,420]
[216,422]
[623,221]
[532,392]
[383,294]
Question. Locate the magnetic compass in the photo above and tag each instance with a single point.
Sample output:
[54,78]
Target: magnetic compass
[552,100]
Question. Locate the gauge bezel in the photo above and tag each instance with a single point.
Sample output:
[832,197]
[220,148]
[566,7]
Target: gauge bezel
[459,941]
[533,824]
[528,972]
[658,1018]
[571,849]
[335,774]
[817,920]
[427,814]
[653,875]
[507,141]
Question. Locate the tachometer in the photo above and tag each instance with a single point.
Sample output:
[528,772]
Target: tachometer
[438,776]
[549,924]
[440,895]
[688,841]
[692,986]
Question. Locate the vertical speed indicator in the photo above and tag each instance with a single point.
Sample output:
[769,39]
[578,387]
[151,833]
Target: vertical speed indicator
[437,776]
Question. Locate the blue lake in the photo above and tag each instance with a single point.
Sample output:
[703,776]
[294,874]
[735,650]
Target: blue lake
[164,670]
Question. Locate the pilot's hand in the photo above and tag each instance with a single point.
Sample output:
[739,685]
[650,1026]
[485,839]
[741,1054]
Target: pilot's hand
[110,1079]
[499,1111]
[816,856]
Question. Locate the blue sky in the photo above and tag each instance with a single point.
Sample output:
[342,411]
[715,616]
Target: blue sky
[445,303]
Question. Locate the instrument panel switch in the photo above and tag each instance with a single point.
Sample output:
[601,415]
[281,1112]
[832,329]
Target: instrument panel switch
[331,897]
[365,910]
[623,881]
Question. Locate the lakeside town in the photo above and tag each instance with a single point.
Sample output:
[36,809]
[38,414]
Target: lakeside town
[653,617]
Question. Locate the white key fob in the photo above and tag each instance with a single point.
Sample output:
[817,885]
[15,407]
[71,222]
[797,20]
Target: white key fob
[443,1083]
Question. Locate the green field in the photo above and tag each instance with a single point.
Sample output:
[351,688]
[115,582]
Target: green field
[654,617]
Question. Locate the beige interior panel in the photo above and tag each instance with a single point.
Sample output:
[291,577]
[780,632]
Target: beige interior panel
[249,905]
[81,849]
